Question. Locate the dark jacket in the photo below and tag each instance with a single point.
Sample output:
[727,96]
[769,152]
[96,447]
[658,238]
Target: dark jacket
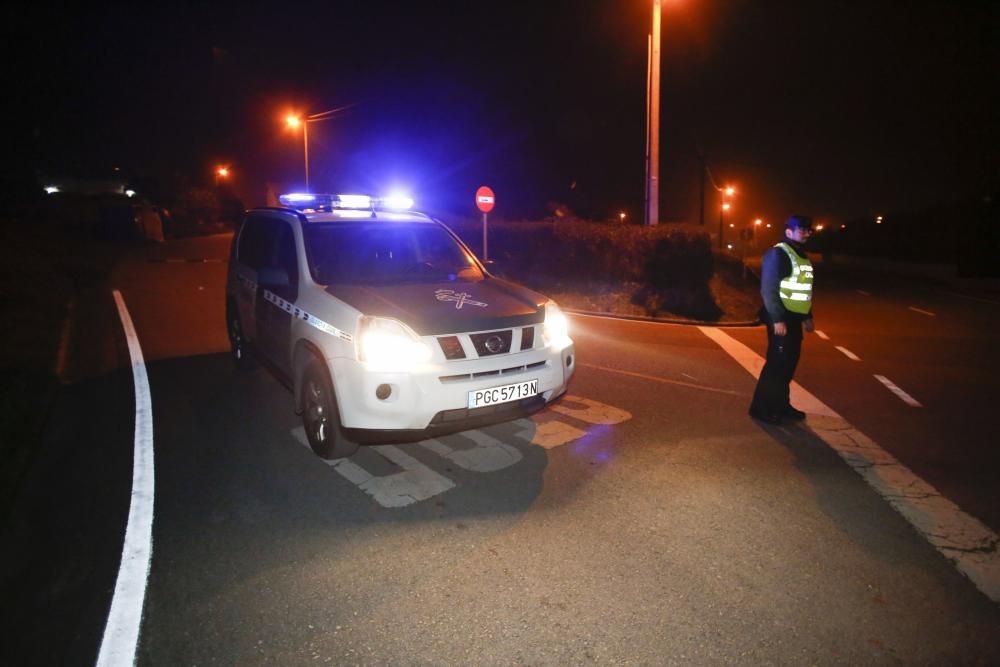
[775,267]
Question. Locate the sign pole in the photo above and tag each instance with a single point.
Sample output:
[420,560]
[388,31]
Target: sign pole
[486,252]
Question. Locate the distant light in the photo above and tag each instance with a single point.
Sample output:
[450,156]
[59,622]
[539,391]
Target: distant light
[293,121]
[758,221]
[843,226]
[621,216]
[397,201]
[768,225]
[730,190]
[51,189]
[297,197]
[222,171]
[130,193]
[729,246]
[731,224]
[725,207]
[819,228]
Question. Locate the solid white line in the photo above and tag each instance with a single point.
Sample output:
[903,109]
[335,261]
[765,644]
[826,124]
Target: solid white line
[969,296]
[960,538]
[121,634]
[655,378]
[863,293]
[922,311]
[906,398]
[822,335]
[64,337]
[847,353]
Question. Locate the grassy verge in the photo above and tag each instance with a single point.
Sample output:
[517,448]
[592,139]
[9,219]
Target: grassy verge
[41,269]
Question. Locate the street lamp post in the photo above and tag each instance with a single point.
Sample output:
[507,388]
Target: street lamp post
[728,191]
[294,121]
[653,122]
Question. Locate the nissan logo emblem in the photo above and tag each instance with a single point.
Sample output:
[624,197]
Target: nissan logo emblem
[494,344]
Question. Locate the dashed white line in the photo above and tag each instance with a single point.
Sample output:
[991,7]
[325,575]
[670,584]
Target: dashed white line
[121,634]
[863,293]
[847,353]
[969,296]
[906,398]
[962,539]
[922,311]
[822,335]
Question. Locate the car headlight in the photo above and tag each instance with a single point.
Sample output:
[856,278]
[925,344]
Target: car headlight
[387,344]
[555,329]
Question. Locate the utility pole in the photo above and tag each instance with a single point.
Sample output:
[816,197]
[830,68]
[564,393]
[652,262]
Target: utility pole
[653,123]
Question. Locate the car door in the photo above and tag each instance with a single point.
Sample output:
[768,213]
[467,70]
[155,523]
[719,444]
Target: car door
[252,250]
[276,300]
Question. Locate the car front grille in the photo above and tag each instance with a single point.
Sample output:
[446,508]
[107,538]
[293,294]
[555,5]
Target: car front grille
[462,377]
[492,342]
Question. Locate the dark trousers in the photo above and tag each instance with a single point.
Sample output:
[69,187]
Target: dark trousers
[771,395]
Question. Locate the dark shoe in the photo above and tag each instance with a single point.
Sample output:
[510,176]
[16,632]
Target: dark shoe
[766,417]
[792,413]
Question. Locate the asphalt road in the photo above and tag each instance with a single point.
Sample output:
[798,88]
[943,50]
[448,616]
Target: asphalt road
[644,519]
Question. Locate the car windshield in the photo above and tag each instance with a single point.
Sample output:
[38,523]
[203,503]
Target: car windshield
[385,254]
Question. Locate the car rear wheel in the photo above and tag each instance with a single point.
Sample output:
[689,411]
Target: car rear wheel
[320,416]
[237,342]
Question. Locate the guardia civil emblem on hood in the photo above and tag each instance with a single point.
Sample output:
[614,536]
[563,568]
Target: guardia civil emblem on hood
[460,298]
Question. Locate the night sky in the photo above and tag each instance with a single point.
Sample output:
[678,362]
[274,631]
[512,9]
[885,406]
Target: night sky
[837,109]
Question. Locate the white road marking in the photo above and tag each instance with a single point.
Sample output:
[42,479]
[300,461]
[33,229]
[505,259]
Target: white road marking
[863,293]
[121,634]
[847,353]
[593,412]
[969,296]
[753,362]
[906,398]
[822,335]
[962,539]
[555,433]
[64,337]
[656,378]
[489,454]
[414,483]
[922,311]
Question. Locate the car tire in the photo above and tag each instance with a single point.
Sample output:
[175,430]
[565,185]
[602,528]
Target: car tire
[320,416]
[239,348]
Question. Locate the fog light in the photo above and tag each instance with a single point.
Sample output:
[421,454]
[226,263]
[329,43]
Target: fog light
[382,392]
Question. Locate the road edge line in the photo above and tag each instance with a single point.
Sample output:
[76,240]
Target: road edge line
[121,633]
[971,546]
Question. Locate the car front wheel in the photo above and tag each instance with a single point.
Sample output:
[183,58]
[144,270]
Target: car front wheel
[320,416]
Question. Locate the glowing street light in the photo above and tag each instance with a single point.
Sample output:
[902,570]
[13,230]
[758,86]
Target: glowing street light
[621,216]
[878,220]
[758,222]
[728,191]
[293,121]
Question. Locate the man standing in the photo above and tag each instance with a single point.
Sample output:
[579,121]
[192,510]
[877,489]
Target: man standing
[786,286]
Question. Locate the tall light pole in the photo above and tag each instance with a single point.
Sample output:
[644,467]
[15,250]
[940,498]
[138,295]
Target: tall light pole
[728,191]
[653,122]
[294,121]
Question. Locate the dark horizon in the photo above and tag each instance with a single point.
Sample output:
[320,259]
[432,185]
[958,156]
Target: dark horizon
[825,108]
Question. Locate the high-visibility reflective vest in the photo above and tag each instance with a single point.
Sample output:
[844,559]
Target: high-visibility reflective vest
[796,289]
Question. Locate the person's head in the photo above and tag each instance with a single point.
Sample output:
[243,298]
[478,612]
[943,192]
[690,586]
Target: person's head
[798,228]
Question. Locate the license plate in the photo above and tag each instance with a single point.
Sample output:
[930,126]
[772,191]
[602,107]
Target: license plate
[504,394]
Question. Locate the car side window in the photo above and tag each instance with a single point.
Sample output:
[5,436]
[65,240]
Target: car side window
[256,246]
[285,256]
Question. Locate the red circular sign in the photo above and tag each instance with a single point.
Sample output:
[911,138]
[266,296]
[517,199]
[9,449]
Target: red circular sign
[485,199]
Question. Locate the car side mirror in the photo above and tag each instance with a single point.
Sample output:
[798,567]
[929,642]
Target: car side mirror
[271,277]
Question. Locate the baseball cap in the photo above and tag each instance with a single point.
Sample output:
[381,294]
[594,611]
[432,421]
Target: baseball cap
[799,221]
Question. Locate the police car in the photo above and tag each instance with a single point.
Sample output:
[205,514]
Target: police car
[385,325]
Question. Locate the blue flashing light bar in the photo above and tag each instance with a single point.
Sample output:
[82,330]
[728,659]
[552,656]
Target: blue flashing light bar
[318,202]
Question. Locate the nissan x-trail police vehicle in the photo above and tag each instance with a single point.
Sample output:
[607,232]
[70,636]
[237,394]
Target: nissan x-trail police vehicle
[385,325]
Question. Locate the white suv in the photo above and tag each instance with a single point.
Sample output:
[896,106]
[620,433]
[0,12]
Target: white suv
[385,325]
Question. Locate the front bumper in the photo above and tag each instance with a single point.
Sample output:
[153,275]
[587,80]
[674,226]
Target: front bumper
[434,397]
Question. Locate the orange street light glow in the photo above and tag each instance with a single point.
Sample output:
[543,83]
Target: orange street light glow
[731,224]
[730,190]
[621,216]
[725,207]
[819,228]
[293,121]
[758,221]
[222,171]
